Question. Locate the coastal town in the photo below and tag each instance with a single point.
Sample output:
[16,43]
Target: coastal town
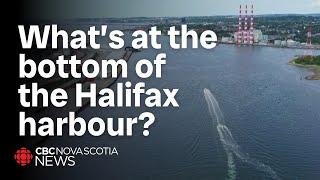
[284,31]
[269,30]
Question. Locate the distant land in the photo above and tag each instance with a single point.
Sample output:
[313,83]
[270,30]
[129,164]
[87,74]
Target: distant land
[164,17]
[279,30]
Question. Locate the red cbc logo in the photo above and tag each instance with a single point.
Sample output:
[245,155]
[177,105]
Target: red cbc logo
[23,156]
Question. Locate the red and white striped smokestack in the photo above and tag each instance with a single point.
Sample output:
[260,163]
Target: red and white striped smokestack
[252,26]
[239,36]
[246,26]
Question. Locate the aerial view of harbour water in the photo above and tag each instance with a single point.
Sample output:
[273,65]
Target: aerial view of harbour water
[249,109]
[245,113]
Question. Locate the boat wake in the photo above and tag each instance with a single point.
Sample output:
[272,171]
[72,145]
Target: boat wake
[230,146]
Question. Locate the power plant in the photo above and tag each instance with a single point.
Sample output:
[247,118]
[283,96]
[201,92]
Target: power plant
[246,34]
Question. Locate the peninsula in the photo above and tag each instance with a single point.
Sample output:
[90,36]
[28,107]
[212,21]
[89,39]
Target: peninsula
[309,62]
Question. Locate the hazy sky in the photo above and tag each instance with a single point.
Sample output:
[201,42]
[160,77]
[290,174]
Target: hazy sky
[157,8]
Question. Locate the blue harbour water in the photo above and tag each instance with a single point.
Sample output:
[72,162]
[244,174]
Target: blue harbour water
[244,114]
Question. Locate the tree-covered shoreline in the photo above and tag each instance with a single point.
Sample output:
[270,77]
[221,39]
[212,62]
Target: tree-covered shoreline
[308,60]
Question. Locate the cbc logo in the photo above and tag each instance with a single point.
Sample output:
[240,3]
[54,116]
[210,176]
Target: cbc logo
[45,151]
[23,156]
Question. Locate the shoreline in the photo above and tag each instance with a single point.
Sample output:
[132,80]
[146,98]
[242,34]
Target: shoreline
[314,47]
[313,68]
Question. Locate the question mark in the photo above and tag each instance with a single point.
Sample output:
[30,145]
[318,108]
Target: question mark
[146,125]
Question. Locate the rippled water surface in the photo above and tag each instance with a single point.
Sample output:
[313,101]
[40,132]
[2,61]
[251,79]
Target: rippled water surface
[272,113]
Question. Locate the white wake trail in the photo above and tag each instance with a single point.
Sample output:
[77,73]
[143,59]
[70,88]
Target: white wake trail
[230,146]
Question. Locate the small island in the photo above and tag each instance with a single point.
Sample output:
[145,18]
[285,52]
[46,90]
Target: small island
[309,62]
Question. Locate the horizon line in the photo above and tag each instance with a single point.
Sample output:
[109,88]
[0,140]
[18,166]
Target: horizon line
[131,17]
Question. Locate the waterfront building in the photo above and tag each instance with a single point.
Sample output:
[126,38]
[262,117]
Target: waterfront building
[226,39]
[277,42]
[291,42]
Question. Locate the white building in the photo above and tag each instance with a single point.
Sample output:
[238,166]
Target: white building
[277,42]
[291,42]
[226,39]
[258,36]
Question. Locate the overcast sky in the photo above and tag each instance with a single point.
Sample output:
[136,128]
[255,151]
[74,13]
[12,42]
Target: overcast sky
[160,8]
